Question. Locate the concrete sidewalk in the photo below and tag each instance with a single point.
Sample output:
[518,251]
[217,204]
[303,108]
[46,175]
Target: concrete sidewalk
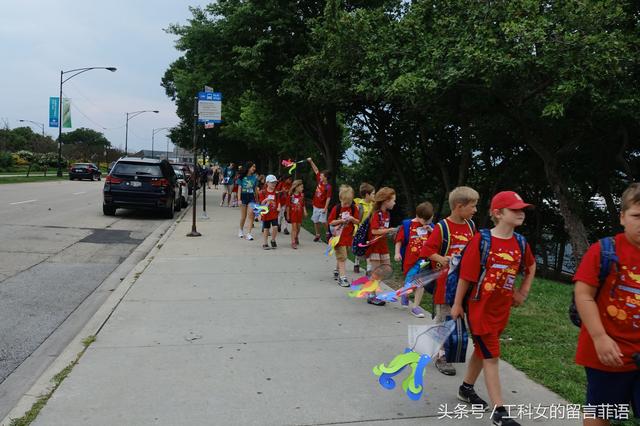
[216,331]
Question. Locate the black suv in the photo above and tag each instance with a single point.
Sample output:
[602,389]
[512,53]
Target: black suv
[84,171]
[141,183]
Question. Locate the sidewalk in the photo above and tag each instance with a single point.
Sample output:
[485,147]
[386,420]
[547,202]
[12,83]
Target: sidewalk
[217,331]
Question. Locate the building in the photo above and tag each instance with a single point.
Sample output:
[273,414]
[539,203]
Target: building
[178,155]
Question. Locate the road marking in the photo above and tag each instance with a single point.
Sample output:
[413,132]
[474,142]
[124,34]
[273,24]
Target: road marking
[23,202]
[78,193]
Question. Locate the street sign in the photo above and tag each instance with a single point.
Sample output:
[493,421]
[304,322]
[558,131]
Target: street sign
[54,111]
[210,107]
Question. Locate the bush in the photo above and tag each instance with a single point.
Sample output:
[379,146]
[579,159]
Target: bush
[25,156]
[6,160]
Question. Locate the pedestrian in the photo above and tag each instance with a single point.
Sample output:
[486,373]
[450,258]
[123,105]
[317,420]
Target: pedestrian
[378,252]
[283,187]
[209,172]
[606,296]
[321,200]
[247,190]
[228,180]
[236,184]
[365,207]
[296,210]
[342,219]
[269,197]
[409,240]
[216,177]
[450,236]
[488,268]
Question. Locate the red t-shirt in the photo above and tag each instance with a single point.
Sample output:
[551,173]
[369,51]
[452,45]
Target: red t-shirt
[295,202]
[618,302]
[418,234]
[459,235]
[270,199]
[323,192]
[282,189]
[346,231]
[379,220]
[490,314]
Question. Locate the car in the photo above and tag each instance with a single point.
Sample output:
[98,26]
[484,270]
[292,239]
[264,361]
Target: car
[141,183]
[182,183]
[84,171]
[187,169]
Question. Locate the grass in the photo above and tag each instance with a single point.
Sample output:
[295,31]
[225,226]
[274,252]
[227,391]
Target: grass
[24,179]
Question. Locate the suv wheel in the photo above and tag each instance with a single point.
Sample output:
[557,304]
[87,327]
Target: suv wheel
[177,205]
[168,212]
[108,210]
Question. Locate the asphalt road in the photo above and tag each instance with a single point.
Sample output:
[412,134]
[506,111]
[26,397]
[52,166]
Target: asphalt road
[56,248]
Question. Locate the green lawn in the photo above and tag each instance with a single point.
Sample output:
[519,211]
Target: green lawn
[24,179]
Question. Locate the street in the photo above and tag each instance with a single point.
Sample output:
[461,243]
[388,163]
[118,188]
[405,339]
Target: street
[56,248]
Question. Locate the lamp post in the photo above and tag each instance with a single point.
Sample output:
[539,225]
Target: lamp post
[62,81]
[153,134]
[131,115]
[34,122]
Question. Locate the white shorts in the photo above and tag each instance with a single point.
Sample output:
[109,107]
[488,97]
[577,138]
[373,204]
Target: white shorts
[318,216]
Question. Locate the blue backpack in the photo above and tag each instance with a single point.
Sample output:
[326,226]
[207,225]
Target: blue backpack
[361,237]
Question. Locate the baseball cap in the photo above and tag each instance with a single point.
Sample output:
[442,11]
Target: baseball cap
[271,178]
[508,200]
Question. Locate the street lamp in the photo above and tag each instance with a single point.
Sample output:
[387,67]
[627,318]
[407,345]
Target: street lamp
[34,122]
[131,115]
[153,134]
[62,73]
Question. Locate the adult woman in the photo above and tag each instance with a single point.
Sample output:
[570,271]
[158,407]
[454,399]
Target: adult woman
[216,177]
[247,193]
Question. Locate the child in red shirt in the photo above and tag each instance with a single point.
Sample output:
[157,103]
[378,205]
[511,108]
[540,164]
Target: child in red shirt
[282,188]
[269,197]
[610,312]
[296,210]
[378,253]
[321,199]
[419,231]
[492,295]
[342,218]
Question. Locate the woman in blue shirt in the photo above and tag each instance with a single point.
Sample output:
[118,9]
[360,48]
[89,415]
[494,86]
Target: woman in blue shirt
[247,193]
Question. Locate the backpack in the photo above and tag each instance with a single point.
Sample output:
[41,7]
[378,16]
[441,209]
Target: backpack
[485,247]
[361,237]
[406,229]
[335,206]
[608,258]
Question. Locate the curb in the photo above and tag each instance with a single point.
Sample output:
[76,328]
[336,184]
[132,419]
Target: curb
[44,385]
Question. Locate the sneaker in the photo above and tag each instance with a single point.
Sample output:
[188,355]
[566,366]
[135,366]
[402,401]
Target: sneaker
[240,234]
[417,312]
[273,244]
[294,246]
[375,301]
[344,282]
[222,204]
[501,418]
[445,367]
[249,237]
[404,301]
[286,231]
[266,247]
[470,396]
[356,268]
[316,238]
[279,228]
[297,241]
[336,274]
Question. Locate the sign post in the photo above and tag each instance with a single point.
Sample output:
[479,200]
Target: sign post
[194,232]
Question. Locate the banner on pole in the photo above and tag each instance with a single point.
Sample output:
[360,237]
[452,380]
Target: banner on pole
[54,111]
[66,113]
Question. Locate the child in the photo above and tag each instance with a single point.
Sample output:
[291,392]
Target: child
[296,210]
[489,304]
[365,207]
[419,231]
[247,189]
[609,338]
[228,180]
[458,229]
[283,187]
[321,199]
[269,198]
[342,218]
[378,252]
[236,184]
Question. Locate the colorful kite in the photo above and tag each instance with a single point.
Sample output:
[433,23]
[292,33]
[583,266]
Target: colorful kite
[291,164]
[259,209]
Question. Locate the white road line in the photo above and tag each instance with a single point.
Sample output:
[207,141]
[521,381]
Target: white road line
[23,202]
[78,193]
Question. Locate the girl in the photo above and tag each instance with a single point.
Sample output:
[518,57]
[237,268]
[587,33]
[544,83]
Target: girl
[342,218]
[296,210]
[269,197]
[378,253]
[236,183]
[247,194]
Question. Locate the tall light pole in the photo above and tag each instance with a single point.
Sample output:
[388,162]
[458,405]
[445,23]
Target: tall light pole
[153,134]
[34,122]
[131,115]
[62,81]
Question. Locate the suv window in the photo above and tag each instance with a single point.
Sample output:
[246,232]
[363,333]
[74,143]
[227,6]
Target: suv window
[136,169]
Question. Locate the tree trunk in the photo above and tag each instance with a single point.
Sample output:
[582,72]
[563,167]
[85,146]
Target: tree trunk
[560,257]
[465,162]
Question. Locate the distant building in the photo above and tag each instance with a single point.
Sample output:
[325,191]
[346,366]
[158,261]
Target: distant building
[178,155]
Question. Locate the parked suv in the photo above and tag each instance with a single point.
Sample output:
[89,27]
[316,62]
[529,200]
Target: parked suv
[84,171]
[141,183]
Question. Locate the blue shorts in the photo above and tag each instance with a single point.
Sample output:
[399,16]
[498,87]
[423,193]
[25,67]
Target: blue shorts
[247,197]
[267,224]
[604,387]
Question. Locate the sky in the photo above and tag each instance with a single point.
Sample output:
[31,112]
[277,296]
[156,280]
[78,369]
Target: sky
[39,38]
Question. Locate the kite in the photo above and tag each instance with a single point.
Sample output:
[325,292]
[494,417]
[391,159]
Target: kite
[259,209]
[291,164]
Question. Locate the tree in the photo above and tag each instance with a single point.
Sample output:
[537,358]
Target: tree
[87,144]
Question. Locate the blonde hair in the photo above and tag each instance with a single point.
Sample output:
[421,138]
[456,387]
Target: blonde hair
[296,183]
[346,193]
[383,194]
[630,196]
[462,195]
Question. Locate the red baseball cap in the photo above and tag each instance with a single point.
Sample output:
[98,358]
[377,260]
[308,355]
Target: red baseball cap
[508,200]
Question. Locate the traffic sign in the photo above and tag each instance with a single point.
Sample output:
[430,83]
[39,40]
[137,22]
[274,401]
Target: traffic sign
[210,107]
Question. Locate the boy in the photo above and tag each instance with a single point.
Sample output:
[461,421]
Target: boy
[457,229]
[321,199]
[365,207]
[228,180]
[270,198]
[609,340]
[342,218]
[489,302]
[419,231]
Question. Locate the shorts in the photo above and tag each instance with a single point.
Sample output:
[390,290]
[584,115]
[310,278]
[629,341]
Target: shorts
[486,346]
[228,188]
[341,253]
[267,224]
[319,216]
[604,387]
[247,197]
[378,257]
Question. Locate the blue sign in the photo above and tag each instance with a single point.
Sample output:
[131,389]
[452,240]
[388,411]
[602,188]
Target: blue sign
[209,107]
[54,111]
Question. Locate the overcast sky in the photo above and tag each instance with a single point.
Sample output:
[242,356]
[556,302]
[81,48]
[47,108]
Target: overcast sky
[38,38]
